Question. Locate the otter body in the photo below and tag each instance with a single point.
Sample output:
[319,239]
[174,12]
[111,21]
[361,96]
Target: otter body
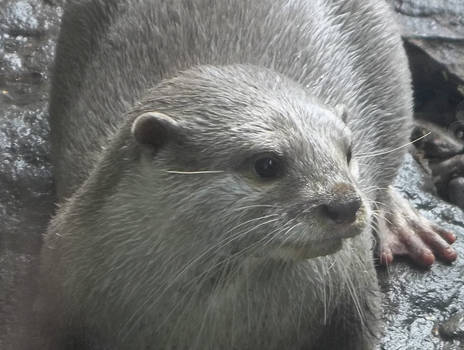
[216,163]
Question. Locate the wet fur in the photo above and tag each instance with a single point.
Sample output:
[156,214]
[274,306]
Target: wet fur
[120,262]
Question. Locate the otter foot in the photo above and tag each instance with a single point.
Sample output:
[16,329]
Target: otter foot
[403,231]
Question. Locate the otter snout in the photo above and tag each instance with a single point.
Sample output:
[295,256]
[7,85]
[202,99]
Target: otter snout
[342,212]
[343,206]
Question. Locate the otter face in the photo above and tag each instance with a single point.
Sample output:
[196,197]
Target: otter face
[249,164]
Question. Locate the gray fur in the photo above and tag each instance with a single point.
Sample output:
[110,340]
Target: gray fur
[142,258]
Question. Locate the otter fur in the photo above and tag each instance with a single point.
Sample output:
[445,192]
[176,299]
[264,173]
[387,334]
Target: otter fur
[217,165]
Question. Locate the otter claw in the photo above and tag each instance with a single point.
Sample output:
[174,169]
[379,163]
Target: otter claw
[403,231]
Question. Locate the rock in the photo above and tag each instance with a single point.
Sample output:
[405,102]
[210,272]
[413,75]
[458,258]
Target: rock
[445,171]
[456,191]
[441,152]
[433,31]
[416,300]
[431,19]
[453,328]
[27,40]
[437,143]
[436,26]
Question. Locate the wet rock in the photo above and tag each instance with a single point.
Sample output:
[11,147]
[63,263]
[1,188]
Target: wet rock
[453,328]
[439,94]
[433,31]
[27,40]
[456,191]
[437,143]
[417,300]
[27,18]
[21,18]
[27,32]
[431,19]
[441,152]
[436,26]
[445,171]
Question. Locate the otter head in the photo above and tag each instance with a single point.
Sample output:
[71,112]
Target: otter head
[240,161]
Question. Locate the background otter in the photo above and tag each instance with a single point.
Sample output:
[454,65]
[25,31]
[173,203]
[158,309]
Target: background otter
[342,53]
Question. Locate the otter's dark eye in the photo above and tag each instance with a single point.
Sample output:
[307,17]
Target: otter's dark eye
[267,167]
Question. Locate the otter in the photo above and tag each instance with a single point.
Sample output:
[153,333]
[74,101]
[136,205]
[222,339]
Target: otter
[221,168]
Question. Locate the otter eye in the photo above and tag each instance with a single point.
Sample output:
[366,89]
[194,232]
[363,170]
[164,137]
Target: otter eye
[267,167]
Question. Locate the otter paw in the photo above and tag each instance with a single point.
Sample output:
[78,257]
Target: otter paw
[403,231]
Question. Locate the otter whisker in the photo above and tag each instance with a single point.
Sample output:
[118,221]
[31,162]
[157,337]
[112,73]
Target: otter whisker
[366,155]
[264,241]
[252,229]
[203,276]
[378,205]
[251,220]
[287,235]
[255,206]
[271,235]
[373,189]
[352,291]
[199,172]
[231,238]
[183,270]
[201,279]
[218,244]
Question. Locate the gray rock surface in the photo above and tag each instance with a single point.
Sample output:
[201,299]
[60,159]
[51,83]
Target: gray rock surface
[422,308]
[436,26]
[418,301]
[434,38]
[431,19]
[27,39]
[456,191]
[453,328]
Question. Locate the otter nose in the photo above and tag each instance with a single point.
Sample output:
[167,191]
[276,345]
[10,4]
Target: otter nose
[344,211]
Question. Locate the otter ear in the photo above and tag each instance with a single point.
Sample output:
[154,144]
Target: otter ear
[342,112]
[153,129]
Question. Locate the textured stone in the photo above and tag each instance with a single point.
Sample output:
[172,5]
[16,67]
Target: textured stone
[434,38]
[27,39]
[456,191]
[453,328]
[417,300]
